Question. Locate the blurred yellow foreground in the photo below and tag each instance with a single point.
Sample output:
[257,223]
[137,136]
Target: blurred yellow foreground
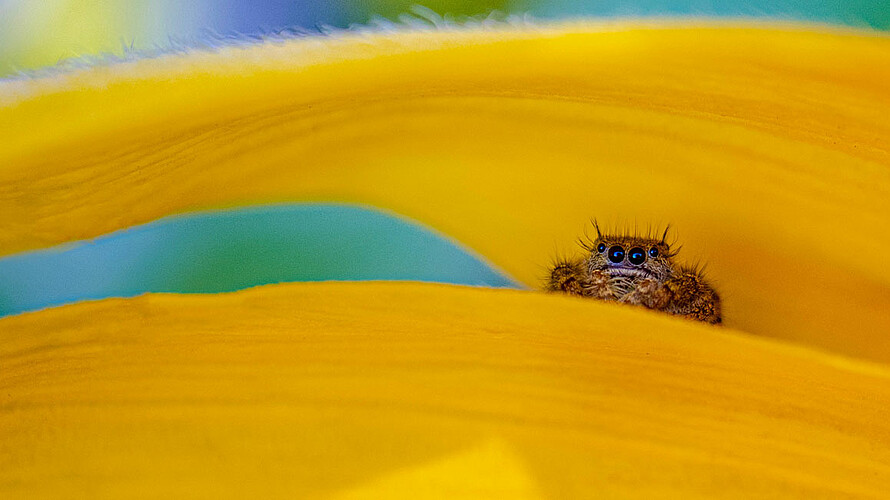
[404,390]
[765,146]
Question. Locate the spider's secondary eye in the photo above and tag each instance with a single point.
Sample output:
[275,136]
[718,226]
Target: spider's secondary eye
[636,256]
[601,248]
[653,252]
[616,254]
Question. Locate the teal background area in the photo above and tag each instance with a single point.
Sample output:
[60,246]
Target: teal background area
[234,249]
[873,14]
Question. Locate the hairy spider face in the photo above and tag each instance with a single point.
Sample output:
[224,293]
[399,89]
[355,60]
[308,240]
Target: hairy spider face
[630,257]
[636,270]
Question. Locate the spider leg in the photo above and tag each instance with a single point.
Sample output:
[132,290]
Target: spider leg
[693,297]
[568,276]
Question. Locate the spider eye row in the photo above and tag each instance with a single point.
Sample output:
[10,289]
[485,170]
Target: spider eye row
[635,255]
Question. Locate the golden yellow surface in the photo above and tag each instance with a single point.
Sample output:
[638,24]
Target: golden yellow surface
[331,391]
[765,146]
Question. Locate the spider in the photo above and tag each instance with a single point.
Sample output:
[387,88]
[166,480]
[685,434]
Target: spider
[639,271]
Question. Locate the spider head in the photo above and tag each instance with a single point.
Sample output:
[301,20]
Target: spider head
[629,256]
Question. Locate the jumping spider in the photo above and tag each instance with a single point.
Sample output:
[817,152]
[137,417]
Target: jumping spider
[639,271]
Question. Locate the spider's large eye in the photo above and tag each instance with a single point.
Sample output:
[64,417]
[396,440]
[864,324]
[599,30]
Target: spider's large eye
[616,254]
[601,248]
[653,252]
[636,256]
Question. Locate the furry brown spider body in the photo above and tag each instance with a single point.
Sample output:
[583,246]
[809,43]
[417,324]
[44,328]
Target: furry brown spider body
[638,271]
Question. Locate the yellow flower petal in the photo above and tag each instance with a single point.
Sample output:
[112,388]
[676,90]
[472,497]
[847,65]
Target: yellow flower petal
[765,146]
[490,470]
[424,391]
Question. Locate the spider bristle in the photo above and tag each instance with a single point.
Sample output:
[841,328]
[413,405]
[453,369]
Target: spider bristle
[596,225]
[672,252]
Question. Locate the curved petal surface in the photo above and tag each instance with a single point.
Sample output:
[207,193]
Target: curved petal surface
[406,390]
[764,144]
